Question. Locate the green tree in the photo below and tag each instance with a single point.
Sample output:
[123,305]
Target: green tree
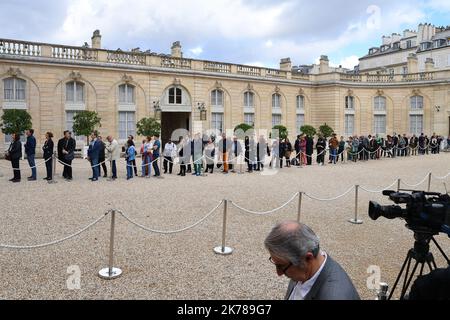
[148,127]
[284,133]
[85,122]
[310,131]
[15,121]
[244,127]
[326,131]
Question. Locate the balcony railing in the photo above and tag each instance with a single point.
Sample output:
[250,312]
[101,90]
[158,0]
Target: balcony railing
[274,73]
[351,77]
[249,71]
[175,63]
[20,48]
[424,76]
[74,53]
[126,58]
[383,78]
[217,67]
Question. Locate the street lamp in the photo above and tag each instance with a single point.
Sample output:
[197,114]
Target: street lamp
[158,111]
[203,112]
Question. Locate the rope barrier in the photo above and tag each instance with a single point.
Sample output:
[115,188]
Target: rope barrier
[416,185]
[331,199]
[443,178]
[263,213]
[6,246]
[34,167]
[169,232]
[379,191]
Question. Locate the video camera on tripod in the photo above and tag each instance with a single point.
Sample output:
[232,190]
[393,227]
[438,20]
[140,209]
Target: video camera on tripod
[429,210]
[427,214]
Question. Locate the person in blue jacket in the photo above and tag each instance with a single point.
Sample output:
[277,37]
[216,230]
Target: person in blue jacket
[94,155]
[30,151]
[130,157]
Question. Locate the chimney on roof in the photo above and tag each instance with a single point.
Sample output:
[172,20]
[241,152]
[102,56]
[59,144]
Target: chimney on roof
[286,64]
[324,64]
[96,40]
[176,50]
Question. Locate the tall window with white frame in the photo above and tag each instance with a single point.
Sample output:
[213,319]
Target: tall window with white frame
[300,122]
[416,115]
[127,94]
[276,101]
[379,115]
[14,89]
[75,92]
[217,98]
[349,119]
[127,124]
[217,122]
[249,108]
[276,110]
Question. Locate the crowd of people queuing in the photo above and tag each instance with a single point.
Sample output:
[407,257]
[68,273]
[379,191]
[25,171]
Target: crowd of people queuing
[203,154]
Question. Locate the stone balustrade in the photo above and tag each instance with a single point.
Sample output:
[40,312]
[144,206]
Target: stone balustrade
[70,53]
[20,48]
[74,53]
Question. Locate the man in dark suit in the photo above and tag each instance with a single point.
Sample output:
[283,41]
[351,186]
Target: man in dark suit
[66,153]
[298,149]
[94,155]
[14,154]
[30,151]
[309,149]
[295,251]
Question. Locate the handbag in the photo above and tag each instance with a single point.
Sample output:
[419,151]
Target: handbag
[7,156]
[71,155]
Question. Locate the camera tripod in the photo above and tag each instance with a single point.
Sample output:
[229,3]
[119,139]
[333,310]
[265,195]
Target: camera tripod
[422,255]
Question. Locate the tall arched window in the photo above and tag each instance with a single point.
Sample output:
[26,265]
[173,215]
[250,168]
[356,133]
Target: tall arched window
[379,115]
[75,92]
[126,94]
[416,115]
[175,96]
[217,98]
[349,125]
[249,99]
[249,108]
[14,89]
[300,103]
[300,122]
[276,101]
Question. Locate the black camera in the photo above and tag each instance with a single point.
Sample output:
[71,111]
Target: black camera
[428,210]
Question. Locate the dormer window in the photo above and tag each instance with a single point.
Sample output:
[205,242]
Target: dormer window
[396,45]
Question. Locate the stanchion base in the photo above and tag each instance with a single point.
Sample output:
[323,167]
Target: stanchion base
[223,251]
[104,273]
[353,221]
[52,182]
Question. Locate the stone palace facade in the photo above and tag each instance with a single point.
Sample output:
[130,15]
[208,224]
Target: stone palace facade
[54,82]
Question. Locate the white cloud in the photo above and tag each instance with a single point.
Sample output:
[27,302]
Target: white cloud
[196,51]
[348,62]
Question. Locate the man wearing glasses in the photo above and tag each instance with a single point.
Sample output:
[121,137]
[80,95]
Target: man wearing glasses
[295,251]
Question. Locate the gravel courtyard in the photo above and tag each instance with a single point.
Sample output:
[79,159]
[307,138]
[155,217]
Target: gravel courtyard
[183,265]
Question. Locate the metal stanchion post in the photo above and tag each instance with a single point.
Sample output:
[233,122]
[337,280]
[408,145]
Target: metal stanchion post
[111,272]
[355,220]
[299,212]
[430,176]
[53,169]
[224,250]
[399,185]
[110,170]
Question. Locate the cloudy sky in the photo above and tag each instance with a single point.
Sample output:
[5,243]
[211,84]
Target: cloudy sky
[257,32]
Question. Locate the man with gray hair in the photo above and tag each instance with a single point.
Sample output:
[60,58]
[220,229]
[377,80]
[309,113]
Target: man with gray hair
[295,251]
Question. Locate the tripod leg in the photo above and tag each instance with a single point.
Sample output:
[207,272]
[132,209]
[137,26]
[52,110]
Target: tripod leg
[407,261]
[409,280]
[421,268]
[441,251]
[411,254]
